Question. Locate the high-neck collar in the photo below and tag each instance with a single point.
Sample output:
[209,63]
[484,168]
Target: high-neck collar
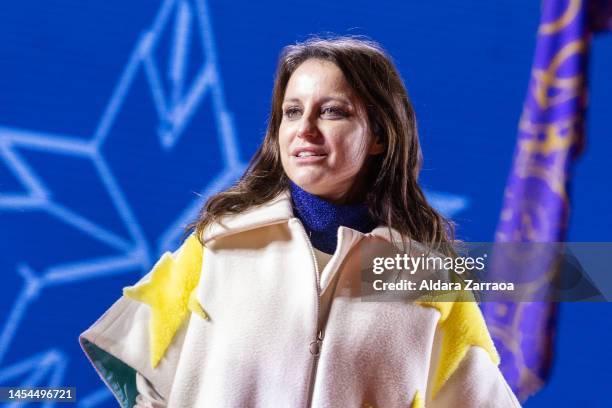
[322,218]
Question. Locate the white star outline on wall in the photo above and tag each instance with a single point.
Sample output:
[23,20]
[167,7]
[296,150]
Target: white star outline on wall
[174,111]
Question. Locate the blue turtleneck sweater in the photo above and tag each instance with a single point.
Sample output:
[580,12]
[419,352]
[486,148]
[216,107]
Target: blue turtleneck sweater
[322,218]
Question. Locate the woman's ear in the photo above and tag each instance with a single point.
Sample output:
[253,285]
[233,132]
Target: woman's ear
[376,147]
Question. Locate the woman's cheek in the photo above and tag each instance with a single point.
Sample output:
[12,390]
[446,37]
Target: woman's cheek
[354,153]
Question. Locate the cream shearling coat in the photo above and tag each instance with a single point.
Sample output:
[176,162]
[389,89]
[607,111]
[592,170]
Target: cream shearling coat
[271,342]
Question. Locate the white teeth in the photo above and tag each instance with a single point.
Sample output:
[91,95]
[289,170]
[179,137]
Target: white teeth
[306,154]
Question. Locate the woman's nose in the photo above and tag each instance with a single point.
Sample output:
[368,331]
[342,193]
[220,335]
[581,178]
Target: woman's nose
[307,128]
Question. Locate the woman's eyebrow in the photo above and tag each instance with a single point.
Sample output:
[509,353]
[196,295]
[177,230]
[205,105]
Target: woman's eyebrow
[338,98]
[291,100]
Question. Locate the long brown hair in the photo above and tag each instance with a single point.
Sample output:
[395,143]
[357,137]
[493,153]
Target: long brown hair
[394,197]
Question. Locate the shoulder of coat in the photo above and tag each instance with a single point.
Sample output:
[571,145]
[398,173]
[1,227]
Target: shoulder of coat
[169,293]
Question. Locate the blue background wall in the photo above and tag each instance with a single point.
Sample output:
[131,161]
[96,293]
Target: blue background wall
[112,133]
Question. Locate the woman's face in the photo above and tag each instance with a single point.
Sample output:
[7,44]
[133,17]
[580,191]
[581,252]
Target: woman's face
[324,136]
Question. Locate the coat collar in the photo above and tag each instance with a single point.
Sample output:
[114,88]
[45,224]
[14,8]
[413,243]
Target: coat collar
[276,211]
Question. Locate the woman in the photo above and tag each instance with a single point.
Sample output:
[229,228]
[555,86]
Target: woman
[259,307]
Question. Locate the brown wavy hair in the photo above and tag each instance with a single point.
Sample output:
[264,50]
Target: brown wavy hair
[393,196]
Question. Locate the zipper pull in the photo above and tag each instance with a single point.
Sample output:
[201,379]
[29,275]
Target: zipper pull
[315,346]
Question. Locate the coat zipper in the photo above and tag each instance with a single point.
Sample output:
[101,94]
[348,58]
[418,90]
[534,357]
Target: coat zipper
[315,346]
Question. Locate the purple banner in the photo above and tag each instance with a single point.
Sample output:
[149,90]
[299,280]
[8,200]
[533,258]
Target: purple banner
[536,201]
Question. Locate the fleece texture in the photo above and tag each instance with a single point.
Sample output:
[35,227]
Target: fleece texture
[168,293]
[462,326]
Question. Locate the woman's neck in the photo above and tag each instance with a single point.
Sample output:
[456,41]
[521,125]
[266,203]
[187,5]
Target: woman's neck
[322,218]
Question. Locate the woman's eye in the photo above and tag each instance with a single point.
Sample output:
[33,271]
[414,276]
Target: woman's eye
[292,113]
[334,112]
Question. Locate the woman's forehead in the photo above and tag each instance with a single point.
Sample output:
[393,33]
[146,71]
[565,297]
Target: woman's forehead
[318,78]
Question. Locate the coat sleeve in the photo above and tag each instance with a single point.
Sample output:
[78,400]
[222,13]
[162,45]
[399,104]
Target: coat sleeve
[464,369]
[148,397]
[139,333]
[477,383]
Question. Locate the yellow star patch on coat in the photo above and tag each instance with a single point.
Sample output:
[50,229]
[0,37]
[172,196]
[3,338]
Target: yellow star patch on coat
[417,401]
[463,326]
[169,293]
